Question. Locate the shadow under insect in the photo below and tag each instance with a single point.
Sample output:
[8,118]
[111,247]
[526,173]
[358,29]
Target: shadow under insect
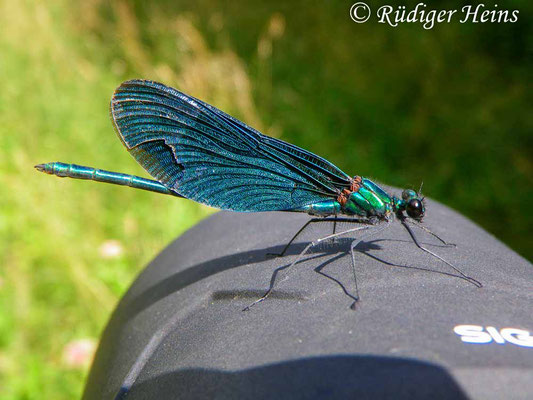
[333,250]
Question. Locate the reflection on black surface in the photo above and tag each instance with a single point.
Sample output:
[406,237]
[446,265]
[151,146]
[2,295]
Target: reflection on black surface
[332,377]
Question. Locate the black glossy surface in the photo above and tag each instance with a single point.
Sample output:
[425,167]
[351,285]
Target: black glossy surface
[180,332]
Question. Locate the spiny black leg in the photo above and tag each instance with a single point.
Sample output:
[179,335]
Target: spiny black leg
[352,251]
[311,221]
[473,281]
[431,233]
[305,250]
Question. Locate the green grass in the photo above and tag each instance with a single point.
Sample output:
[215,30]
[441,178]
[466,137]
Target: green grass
[55,286]
[401,106]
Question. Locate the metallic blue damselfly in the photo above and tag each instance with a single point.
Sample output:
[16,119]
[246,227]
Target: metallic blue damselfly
[198,152]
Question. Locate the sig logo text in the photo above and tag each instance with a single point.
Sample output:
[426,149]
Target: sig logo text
[484,335]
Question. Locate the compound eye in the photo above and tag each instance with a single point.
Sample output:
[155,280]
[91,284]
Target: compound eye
[408,194]
[415,209]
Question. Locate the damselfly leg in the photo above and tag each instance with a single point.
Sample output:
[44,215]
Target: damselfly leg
[304,251]
[473,281]
[334,228]
[315,220]
[419,225]
[354,244]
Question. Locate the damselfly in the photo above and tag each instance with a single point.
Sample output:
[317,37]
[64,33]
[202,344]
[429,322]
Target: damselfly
[198,152]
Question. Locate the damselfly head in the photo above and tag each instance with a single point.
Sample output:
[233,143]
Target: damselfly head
[415,209]
[414,205]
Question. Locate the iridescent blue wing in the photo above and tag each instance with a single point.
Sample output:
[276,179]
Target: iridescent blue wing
[210,157]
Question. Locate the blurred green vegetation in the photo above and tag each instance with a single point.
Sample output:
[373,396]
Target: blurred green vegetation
[450,107]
